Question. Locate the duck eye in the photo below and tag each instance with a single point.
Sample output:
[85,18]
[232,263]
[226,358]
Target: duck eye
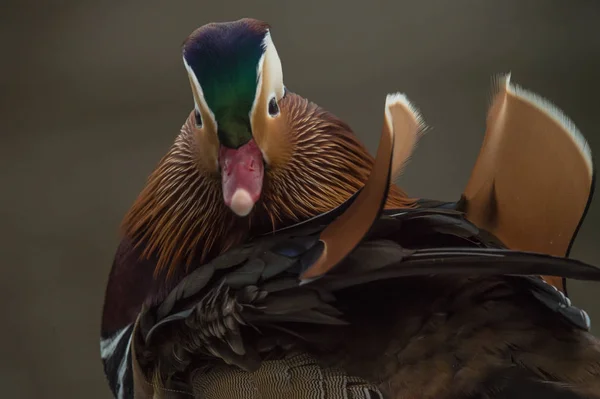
[273,107]
[198,118]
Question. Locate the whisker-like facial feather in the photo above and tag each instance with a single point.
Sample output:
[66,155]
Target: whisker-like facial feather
[180,216]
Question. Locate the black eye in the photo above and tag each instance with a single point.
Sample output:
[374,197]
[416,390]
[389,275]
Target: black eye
[273,107]
[198,118]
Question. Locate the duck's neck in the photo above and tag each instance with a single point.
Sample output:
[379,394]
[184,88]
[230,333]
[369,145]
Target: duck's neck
[180,216]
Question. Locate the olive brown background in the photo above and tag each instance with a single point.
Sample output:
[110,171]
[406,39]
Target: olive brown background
[93,93]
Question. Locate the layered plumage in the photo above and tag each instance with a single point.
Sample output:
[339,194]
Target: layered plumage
[331,282]
[392,316]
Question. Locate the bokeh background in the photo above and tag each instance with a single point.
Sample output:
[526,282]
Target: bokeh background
[93,93]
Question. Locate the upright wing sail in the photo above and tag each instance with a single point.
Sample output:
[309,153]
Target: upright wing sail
[533,179]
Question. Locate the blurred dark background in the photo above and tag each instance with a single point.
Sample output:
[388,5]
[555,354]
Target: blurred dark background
[93,93]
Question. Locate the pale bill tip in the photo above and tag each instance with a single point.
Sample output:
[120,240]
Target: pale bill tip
[241,202]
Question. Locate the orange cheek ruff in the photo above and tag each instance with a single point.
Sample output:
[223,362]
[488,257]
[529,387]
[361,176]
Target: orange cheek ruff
[242,173]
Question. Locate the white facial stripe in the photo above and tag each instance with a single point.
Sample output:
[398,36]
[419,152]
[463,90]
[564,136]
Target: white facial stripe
[270,64]
[203,105]
[273,63]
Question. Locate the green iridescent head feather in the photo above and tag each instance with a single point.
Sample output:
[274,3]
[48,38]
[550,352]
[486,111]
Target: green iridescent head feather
[224,58]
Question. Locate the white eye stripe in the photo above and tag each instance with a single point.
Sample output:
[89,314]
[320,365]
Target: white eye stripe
[270,78]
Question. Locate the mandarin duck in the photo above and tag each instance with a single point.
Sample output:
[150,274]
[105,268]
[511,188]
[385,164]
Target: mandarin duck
[271,256]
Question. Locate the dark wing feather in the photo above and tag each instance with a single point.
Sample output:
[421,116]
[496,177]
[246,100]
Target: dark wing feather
[518,383]
[260,284]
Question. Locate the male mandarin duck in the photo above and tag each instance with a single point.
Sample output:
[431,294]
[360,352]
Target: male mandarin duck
[270,256]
